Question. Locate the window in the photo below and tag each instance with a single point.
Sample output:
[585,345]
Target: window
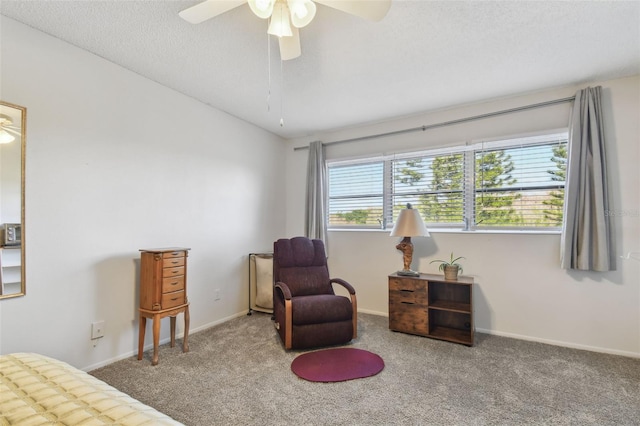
[356,194]
[502,184]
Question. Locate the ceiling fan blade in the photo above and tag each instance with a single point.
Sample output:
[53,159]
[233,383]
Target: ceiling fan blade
[208,9]
[10,130]
[373,10]
[290,46]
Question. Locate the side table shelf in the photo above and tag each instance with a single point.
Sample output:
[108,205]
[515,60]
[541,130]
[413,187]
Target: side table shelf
[10,270]
[430,306]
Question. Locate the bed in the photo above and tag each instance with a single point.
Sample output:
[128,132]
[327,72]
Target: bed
[38,390]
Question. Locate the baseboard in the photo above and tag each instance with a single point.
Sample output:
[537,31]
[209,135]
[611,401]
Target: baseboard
[380,314]
[536,339]
[560,343]
[212,324]
[162,342]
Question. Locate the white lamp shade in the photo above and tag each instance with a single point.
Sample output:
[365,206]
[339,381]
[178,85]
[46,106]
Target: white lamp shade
[262,8]
[5,137]
[290,47]
[280,25]
[409,224]
[302,12]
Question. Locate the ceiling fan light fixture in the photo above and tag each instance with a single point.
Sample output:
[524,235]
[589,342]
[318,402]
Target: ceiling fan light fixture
[5,120]
[5,137]
[280,25]
[262,8]
[302,12]
[290,46]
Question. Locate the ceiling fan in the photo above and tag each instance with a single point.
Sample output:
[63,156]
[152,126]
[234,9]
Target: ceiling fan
[7,128]
[283,13]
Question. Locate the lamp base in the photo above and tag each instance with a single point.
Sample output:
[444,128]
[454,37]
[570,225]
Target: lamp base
[408,273]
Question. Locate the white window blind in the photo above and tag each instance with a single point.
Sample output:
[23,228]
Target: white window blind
[432,184]
[356,195]
[515,183]
[521,187]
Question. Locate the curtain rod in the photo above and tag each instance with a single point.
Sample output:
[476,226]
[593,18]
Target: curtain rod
[448,123]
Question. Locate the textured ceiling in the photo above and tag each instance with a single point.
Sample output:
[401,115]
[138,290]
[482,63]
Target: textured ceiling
[423,55]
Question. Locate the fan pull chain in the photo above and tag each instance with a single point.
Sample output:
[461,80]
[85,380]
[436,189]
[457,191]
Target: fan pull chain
[268,72]
[282,90]
[281,71]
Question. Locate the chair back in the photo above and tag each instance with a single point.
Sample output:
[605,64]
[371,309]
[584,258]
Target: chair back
[301,263]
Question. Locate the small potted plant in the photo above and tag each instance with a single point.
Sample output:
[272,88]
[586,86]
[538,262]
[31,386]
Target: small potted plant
[450,268]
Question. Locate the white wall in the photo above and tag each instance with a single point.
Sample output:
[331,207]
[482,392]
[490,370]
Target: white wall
[521,290]
[116,163]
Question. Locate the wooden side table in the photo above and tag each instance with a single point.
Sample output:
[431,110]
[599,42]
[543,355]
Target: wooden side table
[429,305]
[163,293]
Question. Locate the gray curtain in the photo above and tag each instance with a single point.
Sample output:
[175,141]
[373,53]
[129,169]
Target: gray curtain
[587,241]
[315,221]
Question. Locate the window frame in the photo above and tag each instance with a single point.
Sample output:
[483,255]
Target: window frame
[468,150]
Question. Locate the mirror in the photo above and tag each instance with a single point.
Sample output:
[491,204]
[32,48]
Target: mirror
[13,119]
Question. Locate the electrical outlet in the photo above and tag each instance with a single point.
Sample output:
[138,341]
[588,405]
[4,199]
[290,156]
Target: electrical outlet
[216,294]
[97,330]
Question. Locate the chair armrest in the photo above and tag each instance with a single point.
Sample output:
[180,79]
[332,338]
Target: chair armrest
[286,293]
[344,284]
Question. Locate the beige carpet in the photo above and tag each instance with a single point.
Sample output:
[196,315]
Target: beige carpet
[238,374]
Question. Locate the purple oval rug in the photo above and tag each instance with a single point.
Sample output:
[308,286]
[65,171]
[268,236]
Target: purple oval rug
[337,365]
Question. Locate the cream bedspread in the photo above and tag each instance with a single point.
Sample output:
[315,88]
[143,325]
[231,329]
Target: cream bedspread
[37,390]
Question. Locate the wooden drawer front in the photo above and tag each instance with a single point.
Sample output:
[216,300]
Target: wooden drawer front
[409,318]
[171,262]
[170,254]
[172,272]
[170,300]
[172,284]
[407,284]
[408,296]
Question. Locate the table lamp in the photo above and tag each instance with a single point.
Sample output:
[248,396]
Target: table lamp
[409,224]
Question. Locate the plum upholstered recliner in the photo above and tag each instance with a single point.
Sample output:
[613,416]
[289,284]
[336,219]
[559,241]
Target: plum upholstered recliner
[306,310]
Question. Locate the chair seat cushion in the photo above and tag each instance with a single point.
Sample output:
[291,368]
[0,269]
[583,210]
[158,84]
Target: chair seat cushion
[320,308]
